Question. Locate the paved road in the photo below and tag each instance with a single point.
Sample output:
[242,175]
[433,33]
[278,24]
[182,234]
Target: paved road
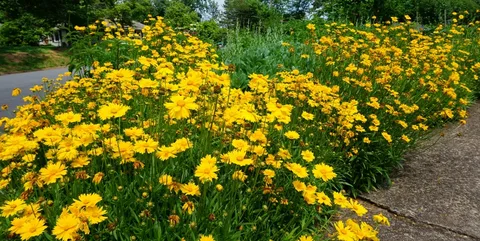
[24,81]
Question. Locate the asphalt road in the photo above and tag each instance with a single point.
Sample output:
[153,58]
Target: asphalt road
[24,81]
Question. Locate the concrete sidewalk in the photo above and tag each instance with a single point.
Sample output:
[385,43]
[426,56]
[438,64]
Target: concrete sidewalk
[436,195]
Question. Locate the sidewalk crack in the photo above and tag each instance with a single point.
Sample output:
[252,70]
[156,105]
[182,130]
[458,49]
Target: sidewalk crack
[413,219]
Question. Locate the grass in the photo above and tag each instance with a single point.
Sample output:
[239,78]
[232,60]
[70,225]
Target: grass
[29,58]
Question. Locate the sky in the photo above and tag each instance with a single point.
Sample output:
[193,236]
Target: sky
[220,4]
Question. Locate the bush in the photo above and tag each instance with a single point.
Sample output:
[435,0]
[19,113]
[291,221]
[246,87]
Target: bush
[27,30]
[210,31]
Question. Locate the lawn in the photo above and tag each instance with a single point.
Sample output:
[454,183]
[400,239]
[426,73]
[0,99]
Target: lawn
[28,58]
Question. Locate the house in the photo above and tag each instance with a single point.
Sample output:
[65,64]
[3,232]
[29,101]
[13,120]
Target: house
[57,37]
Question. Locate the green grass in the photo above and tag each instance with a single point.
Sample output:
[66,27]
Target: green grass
[29,58]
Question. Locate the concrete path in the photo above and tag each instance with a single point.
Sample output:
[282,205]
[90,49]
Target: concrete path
[436,196]
[24,81]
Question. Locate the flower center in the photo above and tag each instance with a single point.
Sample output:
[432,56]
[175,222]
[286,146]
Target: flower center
[181,103]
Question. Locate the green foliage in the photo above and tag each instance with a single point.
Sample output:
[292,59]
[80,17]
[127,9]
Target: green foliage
[250,13]
[210,31]
[27,30]
[178,14]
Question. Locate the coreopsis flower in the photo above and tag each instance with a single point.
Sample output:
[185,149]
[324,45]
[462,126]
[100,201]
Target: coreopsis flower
[4,183]
[323,171]
[299,186]
[32,228]
[206,238]
[340,200]
[13,207]
[97,178]
[239,175]
[190,189]
[189,207]
[52,172]
[344,233]
[166,152]
[305,238]
[322,198]
[238,158]
[292,135]
[358,208]
[308,156]
[16,92]
[206,171]
[182,145]
[297,169]
[180,107]
[311,26]
[17,224]
[88,200]
[66,227]
[307,116]
[68,117]
[269,173]
[387,137]
[95,214]
[112,110]
[379,218]
[148,83]
[148,146]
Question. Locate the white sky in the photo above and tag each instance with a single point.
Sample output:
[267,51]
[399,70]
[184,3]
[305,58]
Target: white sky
[220,4]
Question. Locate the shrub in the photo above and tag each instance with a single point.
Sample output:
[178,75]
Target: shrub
[27,30]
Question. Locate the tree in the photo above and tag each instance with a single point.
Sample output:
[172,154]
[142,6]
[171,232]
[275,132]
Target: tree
[248,13]
[178,14]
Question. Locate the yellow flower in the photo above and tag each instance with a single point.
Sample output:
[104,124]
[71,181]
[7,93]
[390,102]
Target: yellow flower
[359,209]
[297,169]
[95,214]
[344,233]
[97,178]
[311,26]
[238,158]
[299,186]
[340,200]
[322,198]
[13,207]
[269,173]
[190,189]
[307,116]
[68,117]
[148,146]
[16,92]
[32,228]
[308,156]
[189,207]
[148,83]
[323,171]
[206,238]
[112,110]
[52,172]
[66,227]
[379,218]
[206,171]
[387,137]
[180,107]
[292,135]
[305,238]
[88,200]
[239,175]
[4,183]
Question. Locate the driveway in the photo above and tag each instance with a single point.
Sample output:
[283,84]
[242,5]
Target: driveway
[24,81]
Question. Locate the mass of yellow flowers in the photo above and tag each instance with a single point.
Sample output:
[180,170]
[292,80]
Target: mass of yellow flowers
[161,146]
